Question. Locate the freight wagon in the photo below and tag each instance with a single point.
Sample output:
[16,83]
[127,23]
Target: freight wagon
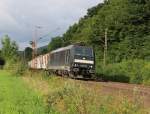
[39,62]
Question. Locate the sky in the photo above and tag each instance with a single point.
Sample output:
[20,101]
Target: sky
[20,18]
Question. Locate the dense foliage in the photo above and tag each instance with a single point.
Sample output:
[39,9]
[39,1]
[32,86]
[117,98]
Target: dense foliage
[128,24]
[56,42]
[28,53]
[9,51]
[9,48]
[133,71]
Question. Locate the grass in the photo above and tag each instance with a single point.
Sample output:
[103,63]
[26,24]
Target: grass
[39,94]
[65,96]
[74,98]
[17,98]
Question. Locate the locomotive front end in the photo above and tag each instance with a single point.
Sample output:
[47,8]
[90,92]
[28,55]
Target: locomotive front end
[84,61]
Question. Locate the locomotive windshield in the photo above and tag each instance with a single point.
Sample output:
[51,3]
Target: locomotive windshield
[84,51]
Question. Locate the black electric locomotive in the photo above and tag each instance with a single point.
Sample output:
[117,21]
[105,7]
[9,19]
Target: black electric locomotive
[73,60]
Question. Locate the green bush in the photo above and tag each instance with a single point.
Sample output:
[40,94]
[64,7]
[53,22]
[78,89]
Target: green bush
[17,68]
[21,67]
[133,71]
[146,73]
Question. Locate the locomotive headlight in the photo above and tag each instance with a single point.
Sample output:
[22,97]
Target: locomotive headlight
[75,65]
[91,66]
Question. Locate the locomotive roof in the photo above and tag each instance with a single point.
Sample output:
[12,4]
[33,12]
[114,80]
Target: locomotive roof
[62,49]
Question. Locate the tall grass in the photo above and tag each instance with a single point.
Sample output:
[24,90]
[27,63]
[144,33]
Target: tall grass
[67,96]
[72,98]
[64,96]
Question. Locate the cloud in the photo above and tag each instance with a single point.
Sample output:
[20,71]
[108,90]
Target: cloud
[18,18]
[6,19]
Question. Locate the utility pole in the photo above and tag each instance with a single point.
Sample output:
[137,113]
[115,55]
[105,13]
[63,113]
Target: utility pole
[34,44]
[105,47]
[36,38]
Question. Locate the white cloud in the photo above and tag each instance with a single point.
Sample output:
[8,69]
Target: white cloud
[18,17]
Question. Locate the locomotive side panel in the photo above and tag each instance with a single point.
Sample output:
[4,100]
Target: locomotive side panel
[60,60]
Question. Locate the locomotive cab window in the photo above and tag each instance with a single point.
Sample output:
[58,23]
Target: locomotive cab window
[84,51]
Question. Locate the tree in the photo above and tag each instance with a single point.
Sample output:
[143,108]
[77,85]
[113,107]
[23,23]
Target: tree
[44,51]
[128,24]
[9,49]
[28,53]
[56,42]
